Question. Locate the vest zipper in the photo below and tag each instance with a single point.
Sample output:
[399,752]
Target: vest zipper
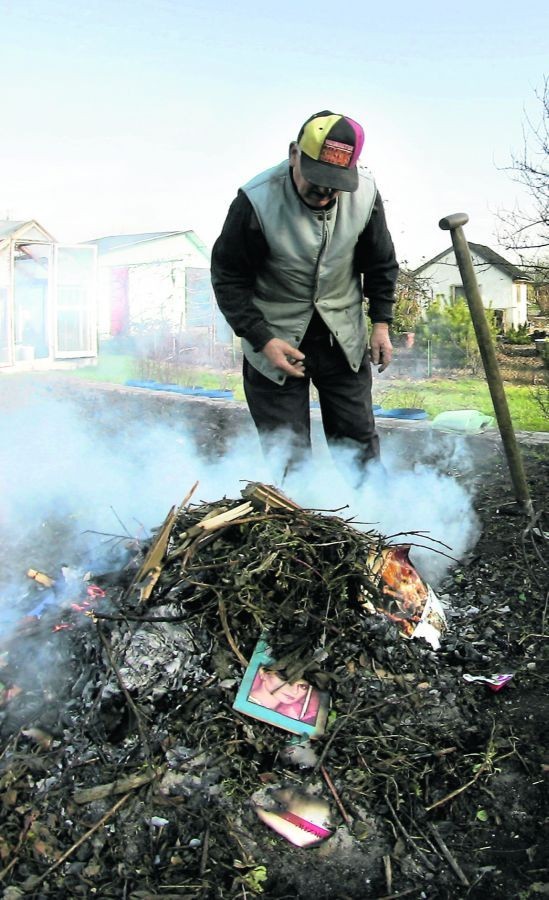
[320,252]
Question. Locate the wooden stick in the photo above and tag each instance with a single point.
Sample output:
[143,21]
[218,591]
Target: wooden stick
[329,782]
[448,856]
[227,631]
[204,855]
[189,495]
[457,791]
[121,786]
[209,523]
[41,578]
[388,872]
[425,859]
[269,496]
[82,839]
[219,521]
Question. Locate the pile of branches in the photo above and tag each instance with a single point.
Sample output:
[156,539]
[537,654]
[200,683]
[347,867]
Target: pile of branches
[126,772]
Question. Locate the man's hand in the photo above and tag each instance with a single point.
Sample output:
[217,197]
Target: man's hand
[285,357]
[381,349]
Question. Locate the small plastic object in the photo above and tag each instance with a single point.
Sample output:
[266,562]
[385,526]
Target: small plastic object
[466,421]
[494,682]
[403,412]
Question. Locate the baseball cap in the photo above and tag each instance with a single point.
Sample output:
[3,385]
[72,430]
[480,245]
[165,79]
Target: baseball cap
[330,145]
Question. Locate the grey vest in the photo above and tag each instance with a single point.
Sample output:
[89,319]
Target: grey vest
[310,264]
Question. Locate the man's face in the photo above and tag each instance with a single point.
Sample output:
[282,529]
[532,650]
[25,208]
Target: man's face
[313,195]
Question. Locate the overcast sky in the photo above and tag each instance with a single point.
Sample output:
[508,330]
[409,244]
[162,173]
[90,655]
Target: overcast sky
[122,117]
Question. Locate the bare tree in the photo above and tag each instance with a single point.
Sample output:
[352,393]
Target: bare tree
[527,230]
[411,294]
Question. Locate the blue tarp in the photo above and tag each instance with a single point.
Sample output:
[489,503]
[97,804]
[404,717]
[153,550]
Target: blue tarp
[401,413]
[179,389]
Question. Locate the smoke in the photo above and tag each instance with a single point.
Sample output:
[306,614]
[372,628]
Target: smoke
[69,469]
[407,501]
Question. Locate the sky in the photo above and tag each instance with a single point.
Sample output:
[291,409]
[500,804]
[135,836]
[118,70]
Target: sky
[147,116]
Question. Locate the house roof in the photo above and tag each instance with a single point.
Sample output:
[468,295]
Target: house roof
[117,241]
[7,227]
[23,229]
[488,255]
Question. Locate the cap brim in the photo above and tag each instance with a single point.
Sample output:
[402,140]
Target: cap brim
[328,175]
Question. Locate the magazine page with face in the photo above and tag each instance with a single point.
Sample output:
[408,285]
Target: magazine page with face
[266,695]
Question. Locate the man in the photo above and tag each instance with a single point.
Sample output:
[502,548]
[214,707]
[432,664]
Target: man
[302,245]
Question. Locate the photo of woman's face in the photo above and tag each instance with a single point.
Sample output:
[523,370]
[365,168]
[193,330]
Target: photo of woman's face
[283,690]
[267,694]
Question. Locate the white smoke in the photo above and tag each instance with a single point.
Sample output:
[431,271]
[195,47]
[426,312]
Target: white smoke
[417,503]
[68,469]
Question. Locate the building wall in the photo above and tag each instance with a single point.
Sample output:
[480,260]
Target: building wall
[497,289]
[155,283]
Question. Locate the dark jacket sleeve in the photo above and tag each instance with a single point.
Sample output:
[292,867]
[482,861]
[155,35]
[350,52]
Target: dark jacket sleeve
[375,258]
[237,255]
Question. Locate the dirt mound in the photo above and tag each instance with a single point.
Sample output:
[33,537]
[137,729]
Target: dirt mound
[126,771]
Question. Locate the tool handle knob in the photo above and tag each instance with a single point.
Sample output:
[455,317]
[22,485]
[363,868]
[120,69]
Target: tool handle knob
[448,223]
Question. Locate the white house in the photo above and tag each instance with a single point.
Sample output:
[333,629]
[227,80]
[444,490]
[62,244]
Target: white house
[47,299]
[158,283]
[502,286]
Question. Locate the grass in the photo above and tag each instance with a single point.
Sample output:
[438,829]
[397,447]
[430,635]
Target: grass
[110,369]
[117,369]
[434,395]
[437,395]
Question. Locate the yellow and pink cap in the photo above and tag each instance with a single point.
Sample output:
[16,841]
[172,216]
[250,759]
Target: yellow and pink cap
[330,146]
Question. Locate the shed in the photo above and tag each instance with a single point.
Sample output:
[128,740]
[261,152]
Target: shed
[502,286]
[155,289]
[47,299]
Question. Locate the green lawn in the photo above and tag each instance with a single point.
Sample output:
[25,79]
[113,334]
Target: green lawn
[110,369]
[434,395]
[437,395]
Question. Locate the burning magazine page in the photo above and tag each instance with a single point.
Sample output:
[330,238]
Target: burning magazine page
[404,597]
[302,819]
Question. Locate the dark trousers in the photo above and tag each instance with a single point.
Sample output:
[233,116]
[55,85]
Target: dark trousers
[345,402]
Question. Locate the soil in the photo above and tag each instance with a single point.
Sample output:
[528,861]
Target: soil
[440,787]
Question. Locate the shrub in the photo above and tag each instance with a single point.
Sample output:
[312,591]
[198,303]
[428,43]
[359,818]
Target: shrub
[449,328]
[409,293]
[520,335]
